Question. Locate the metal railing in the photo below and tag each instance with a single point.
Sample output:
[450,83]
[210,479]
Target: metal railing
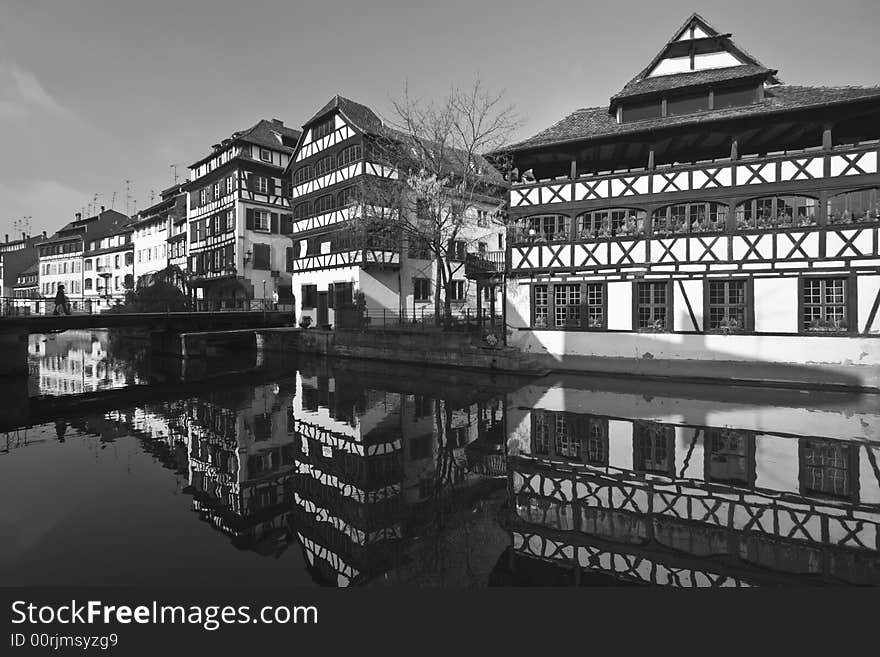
[20,307]
[486,263]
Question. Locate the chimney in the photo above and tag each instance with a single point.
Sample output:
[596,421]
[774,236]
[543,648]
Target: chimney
[79,216]
[44,234]
[23,237]
[7,237]
[102,209]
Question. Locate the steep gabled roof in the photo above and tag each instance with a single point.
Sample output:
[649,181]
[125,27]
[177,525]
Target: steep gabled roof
[695,29]
[596,123]
[365,119]
[270,134]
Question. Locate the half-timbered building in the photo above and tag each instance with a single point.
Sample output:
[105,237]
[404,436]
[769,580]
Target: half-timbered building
[239,218]
[708,212]
[337,255]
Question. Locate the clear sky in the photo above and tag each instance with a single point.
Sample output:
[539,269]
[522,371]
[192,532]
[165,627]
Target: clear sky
[94,92]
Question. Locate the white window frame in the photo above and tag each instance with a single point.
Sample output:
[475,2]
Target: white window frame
[262,184]
[267,151]
[258,216]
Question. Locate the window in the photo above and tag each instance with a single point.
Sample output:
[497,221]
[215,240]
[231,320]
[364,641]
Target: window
[689,104]
[422,289]
[230,220]
[325,165]
[322,129]
[640,111]
[457,291]
[457,250]
[825,303]
[653,306]
[617,222]
[116,262]
[87,283]
[730,456]
[729,306]
[262,256]
[230,184]
[566,306]
[261,184]
[542,228]
[324,204]
[203,196]
[734,97]
[684,218]
[302,210]
[343,295]
[265,155]
[654,446]
[482,218]
[561,306]
[346,197]
[303,174]
[350,155]
[776,212]
[575,436]
[262,220]
[854,207]
[217,190]
[309,296]
[827,467]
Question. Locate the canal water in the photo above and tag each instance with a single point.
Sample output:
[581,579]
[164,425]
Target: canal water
[117,468]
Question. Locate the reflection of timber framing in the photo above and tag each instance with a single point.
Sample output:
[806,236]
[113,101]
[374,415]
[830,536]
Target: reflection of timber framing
[631,522]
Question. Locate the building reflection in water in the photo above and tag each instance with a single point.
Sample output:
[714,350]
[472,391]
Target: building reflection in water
[647,490]
[606,481]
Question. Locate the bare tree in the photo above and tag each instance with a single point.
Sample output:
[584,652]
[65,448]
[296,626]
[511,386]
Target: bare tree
[437,175]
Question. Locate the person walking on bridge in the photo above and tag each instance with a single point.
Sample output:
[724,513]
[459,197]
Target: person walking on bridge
[62,303]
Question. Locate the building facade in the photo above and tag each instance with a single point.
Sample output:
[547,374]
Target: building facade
[239,217]
[108,264]
[334,257]
[709,212]
[159,236]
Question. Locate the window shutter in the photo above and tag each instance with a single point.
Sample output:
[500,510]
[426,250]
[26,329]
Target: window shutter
[274,224]
[270,185]
[286,224]
[249,218]
[289,259]
[330,295]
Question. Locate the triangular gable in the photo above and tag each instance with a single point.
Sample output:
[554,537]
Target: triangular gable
[697,46]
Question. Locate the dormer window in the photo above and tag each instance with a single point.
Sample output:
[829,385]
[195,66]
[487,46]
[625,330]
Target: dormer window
[265,155]
[322,129]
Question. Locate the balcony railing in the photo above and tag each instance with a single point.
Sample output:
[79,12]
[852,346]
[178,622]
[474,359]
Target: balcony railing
[487,263]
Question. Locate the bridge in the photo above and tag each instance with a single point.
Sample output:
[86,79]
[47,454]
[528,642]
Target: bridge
[15,329]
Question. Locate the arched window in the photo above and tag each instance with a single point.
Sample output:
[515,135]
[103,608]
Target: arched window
[346,197]
[324,203]
[543,228]
[617,222]
[302,210]
[302,174]
[776,212]
[324,165]
[686,218]
[349,155]
[854,207]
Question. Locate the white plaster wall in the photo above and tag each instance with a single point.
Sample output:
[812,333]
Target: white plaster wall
[672,65]
[776,463]
[720,59]
[713,347]
[869,484]
[381,291]
[619,306]
[868,288]
[776,305]
[142,242]
[682,319]
[518,304]
[620,444]
[322,278]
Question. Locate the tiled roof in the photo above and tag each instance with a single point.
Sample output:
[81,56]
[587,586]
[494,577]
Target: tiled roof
[656,84]
[361,115]
[269,134]
[597,122]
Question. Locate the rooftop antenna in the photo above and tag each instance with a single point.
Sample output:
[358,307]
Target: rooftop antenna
[173,168]
[152,196]
[113,201]
[127,196]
